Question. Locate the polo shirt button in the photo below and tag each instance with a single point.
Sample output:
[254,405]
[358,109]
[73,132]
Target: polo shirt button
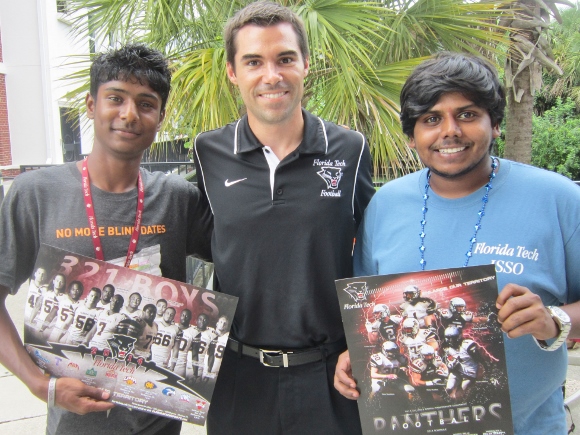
[279,191]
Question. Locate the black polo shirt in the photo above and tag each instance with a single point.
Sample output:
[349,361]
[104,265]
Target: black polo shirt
[280,247]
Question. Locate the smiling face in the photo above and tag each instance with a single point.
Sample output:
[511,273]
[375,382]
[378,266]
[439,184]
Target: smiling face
[135,300]
[453,139]
[269,71]
[126,115]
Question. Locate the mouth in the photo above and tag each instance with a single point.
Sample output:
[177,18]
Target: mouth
[450,150]
[274,96]
[126,132]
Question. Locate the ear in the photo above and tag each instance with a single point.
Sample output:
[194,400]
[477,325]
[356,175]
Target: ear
[496,131]
[90,103]
[232,73]
[411,143]
[306,66]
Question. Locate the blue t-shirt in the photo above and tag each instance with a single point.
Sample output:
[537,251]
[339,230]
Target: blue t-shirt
[530,231]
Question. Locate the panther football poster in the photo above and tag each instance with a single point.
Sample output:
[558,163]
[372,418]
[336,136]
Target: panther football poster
[427,352]
[153,343]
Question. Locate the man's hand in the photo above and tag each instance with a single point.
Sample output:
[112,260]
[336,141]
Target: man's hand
[74,396]
[343,380]
[522,312]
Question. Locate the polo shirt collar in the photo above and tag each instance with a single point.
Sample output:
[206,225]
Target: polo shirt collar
[314,141]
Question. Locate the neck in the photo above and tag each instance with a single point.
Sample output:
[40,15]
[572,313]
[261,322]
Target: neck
[112,174]
[282,138]
[462,185]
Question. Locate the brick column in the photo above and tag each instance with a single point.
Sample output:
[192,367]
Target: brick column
[5,149]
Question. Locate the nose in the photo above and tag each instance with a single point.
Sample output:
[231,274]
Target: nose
[129,112]
[450,127]
[272,74]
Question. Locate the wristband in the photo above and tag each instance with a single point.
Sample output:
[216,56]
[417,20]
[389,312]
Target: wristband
[51,392]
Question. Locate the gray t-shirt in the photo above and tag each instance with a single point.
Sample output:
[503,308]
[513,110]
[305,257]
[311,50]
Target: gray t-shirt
[47,206]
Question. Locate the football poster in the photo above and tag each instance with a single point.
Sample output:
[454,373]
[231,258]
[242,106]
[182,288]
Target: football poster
[427,352]
[153,343]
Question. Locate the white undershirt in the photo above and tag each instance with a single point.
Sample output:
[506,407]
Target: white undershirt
[273,162]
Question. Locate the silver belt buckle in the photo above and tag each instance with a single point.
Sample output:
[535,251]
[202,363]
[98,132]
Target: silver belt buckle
[273,353]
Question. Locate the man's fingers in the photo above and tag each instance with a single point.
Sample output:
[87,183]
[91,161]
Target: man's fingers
[75,396]
[510,291]
[343,380]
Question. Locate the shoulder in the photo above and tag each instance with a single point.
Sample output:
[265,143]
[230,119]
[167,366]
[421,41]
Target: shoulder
[45,178]
[217,136]
[406,188]
[160,183]
[538,180]
[344,134]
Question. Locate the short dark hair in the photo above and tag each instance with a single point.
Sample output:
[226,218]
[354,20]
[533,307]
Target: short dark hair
[473,77]
[150,307]
[264,14]
[132,62]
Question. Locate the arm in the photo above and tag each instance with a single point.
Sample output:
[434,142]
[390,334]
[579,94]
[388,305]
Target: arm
[200,224]
[71,394]
[91,333]
[364,189]
[36,309]
[415,379]
[343,380]
[49,318]
[376,375]
[175,351]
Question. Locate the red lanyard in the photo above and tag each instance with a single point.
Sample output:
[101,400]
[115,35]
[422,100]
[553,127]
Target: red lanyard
[93,219]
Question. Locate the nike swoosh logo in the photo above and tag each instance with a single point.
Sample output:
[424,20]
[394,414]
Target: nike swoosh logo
[230,183]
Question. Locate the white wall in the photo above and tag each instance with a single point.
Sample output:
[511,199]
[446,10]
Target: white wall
[36,45]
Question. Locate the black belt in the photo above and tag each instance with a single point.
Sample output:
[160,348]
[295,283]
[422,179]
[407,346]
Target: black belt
[287,358]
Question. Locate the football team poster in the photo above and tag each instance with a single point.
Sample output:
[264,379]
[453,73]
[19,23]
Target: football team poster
[427,352]
[153,343]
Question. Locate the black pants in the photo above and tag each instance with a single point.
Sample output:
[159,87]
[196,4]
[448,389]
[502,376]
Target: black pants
[252,399]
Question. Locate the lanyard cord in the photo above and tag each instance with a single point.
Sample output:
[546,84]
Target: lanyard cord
[93,219]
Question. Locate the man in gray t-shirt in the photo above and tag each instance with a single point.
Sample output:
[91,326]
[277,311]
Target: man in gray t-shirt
[129,89]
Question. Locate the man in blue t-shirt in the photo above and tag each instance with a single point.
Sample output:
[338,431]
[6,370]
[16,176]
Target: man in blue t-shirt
[469,208]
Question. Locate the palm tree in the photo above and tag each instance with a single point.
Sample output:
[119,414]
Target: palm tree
[529,52]
[565,40]
[361,54]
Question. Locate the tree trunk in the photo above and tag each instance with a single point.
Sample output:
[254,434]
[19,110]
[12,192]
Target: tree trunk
[518,128]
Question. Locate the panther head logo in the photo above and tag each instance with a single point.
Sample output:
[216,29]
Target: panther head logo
[332,176]
[121,345]
[357,290]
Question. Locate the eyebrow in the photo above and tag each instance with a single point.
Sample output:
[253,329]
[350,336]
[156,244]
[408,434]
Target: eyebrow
[459,109]
[142,94]
[250,56]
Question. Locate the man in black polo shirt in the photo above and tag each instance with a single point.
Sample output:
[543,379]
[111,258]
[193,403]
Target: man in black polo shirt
[287,191]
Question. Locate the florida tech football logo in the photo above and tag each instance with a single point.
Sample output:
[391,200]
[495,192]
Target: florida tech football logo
[358,291]
[332,176]
[121,346]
